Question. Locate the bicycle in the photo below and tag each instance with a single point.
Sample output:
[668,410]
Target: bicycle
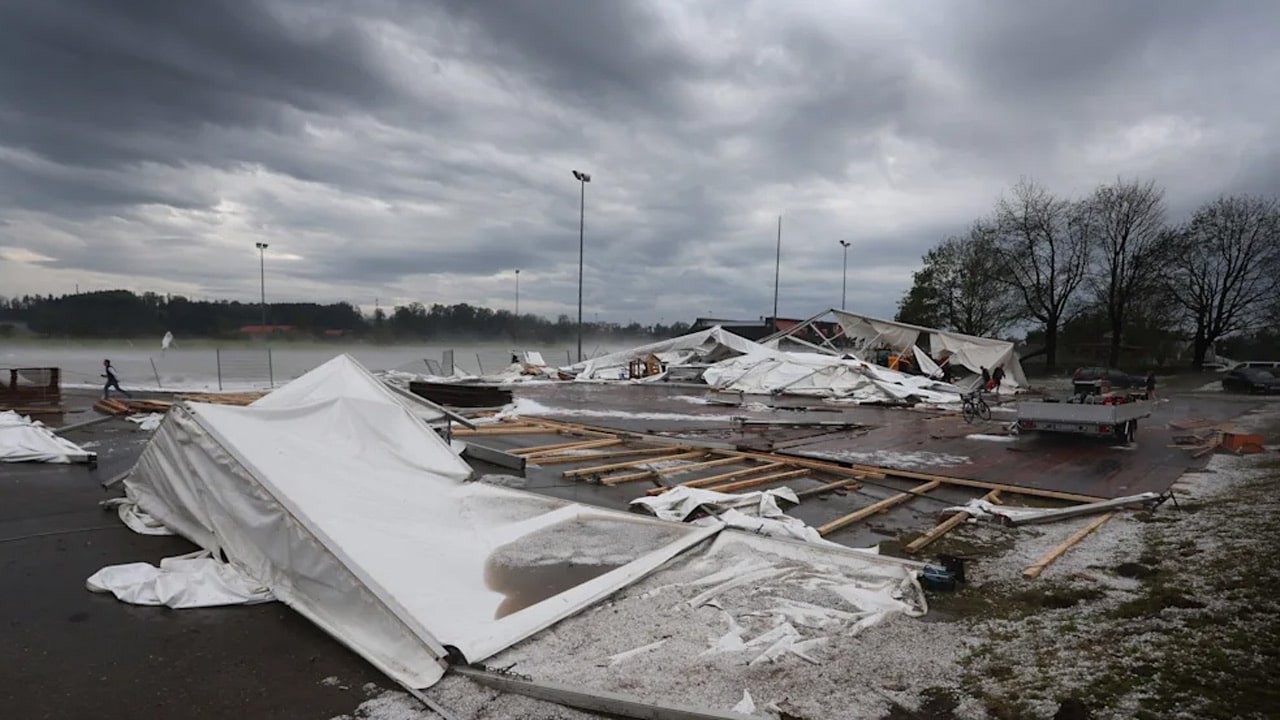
[974,406]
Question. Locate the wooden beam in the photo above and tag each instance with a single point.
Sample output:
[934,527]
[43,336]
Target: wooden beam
[580,472]
[511,430]
[1044,562]
[723,477]
[764,480]
[673,470]
[945,526]
[554,458]
[881,506]
[559,447]
[812,464]
[1017,490]
[572,427]
[829,487]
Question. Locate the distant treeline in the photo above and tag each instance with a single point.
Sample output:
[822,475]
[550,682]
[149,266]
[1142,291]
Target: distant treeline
[123,314]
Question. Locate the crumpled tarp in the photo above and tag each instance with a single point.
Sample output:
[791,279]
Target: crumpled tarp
[148,422]
[25,440]
[755,512]
[186,581]
[828,376]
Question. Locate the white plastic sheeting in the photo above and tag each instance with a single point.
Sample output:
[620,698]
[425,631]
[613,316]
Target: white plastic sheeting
[349,508]
[770,371]
[706,346]
[755,512]
[186,581]
[25,440]
[148,422]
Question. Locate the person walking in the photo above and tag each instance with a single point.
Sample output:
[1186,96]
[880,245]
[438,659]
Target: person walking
[1151,385]
[112,381]
[997,377]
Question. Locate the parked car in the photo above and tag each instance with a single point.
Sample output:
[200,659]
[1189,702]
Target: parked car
[1251,380]
[1119,379]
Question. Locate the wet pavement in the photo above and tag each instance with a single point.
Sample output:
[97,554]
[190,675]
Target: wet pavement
[69,653]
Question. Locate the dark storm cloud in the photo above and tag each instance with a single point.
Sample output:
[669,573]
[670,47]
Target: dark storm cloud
[422,151]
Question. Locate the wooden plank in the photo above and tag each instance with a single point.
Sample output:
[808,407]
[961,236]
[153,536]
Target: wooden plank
[557,459]
[580,472]
[46,410]
[661,472]
[575,445]
[829,487]
[513,430]
[1016,489]
[811,463]
[723,477]
[1044,562]
[571,427]
[764,480]
[881,506]
[494,456]
[945,526]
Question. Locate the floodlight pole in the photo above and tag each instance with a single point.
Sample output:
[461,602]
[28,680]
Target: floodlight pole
[583,179]
[844,275]
[262,280]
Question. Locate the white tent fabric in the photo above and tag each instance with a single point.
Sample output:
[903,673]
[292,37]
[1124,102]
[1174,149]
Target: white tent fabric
[25,440]
[187,581]
[927,366]
[346,373]
[350,509]
[706,346]
[970,351]
[768,372]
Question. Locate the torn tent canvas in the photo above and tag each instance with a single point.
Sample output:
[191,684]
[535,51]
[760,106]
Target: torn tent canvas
[345,505]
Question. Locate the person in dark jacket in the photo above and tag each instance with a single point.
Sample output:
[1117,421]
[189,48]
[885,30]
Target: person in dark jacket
[112,382]
[1151,385]
[997,377]
[986,380]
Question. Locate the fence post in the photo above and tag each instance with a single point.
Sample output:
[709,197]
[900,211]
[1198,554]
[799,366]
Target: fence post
[478,364]
[271,371]
[154,372]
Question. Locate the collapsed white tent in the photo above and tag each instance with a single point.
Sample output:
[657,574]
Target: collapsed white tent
[25,440]
[961,350]
[704,347]
[338,499]
[812,374]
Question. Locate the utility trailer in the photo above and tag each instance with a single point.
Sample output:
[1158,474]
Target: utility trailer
[1117,421]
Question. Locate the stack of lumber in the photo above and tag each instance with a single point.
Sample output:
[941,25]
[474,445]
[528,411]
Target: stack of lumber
[129,407]
[241,399]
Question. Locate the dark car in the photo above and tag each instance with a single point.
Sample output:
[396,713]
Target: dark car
[1250,380]
[1119,379]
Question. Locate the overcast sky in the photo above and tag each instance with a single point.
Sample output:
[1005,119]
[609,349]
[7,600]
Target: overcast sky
[424,150]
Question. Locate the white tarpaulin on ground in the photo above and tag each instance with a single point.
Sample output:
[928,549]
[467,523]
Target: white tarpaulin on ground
[25,440]
[704,347]
[186,581]
[970,351]
[343,503]
[771,371]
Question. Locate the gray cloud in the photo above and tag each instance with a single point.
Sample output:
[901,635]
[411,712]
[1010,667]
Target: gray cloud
[422,151]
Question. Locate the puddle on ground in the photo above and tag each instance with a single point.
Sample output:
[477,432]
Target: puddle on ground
[526,585]
[549,561]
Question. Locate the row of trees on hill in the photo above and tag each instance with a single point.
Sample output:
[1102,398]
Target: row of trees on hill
[1110,263]
[123,314]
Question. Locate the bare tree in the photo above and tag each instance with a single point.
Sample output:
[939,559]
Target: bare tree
[1124,221]
[1045,253]
[1226,272]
